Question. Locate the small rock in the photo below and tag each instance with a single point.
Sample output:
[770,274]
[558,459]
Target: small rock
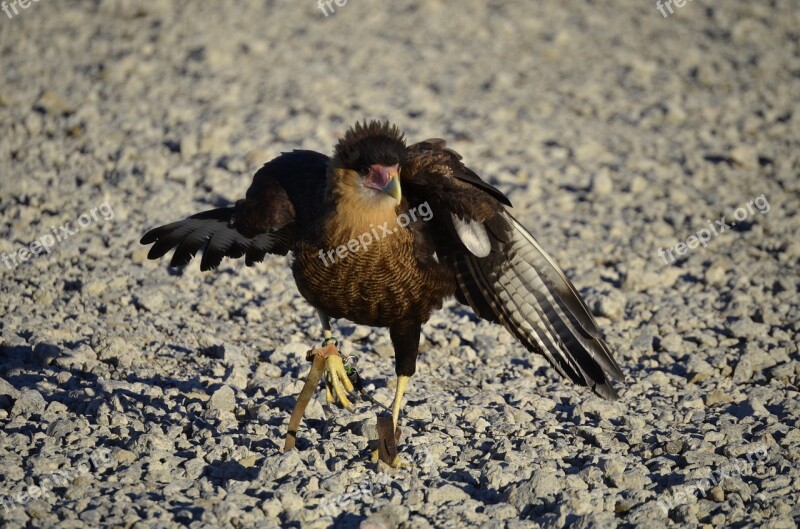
[630,480]
[745,155]
[223,399]
[60,428]
[290,501]
[94,288]
[716,494]
[249,461]
[52,103]
[275,468]
[610,304]
[602,184]
[56,407]
[747,328]
[754,360]
[674,446]
[124,456]
[718,397]
[612,467]
[716,274]
[447,492]
[8,389]
[530,492]
[388,517]
[188,147]
[152,301]
[253,314]
[29,402]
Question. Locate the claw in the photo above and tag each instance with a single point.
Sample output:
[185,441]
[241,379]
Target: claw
[326,362]
[399,462]
[337,377]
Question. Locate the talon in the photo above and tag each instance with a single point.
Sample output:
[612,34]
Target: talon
[338,379]
[399,462]
[329,397]
[326,363]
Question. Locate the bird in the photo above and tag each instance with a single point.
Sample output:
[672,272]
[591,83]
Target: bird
[382,233]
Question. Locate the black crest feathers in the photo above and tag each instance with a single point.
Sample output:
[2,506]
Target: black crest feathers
[373,142]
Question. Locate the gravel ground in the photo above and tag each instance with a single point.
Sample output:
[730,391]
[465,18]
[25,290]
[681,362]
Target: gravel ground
[135,396]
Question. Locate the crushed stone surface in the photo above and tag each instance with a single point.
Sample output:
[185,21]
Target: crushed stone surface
[136,396]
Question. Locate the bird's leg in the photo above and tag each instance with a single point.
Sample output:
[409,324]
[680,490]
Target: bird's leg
[326,362]
[405,339]
[397,462]
[402,383]
[317,368]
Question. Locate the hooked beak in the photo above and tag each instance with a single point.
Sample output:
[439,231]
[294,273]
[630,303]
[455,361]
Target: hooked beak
[385,179]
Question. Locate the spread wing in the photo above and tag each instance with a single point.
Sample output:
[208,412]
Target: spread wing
[502,272]
[278,206]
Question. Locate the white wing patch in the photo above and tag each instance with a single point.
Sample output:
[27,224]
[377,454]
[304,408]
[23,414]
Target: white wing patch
[473,235]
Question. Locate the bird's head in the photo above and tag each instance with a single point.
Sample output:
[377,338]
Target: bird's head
[368,159]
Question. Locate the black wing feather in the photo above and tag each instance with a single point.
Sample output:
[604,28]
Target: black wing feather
[263,222]
[517,284]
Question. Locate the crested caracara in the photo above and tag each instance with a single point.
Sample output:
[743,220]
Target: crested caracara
[382,233]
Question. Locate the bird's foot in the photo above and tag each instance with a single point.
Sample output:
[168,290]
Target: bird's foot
[397,461]
[325,362]
[337,378]
[384,448]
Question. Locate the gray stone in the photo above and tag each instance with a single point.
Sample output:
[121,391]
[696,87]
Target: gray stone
[29,401]
[223,399]
[613,152]
[386,517]
[446,493]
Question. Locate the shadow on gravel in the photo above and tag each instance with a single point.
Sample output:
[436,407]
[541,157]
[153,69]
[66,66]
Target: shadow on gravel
[83,392]
[14,356]
[347,520]
[225,471]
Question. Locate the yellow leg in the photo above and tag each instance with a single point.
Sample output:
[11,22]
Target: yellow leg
[317,368]
[327,362]
[402,382]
